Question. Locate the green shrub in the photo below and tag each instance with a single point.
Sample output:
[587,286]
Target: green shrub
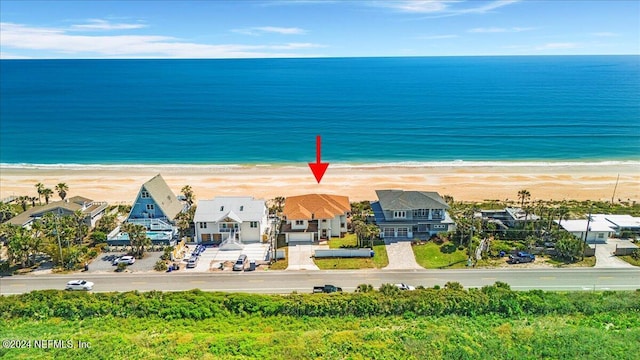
[160,266]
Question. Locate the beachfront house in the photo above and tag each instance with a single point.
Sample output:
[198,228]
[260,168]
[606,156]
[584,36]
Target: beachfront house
[408,215]
[601,226]
[91,210]
[509,217]
[308,218]
[231,220]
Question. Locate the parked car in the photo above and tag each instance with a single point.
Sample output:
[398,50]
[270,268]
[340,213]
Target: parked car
[403,286]
[327,289]
[241,263]
[193,262]
[521,257]
[129,260]
[79,285]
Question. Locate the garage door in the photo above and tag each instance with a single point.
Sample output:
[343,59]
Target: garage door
[389,232]
[300,237]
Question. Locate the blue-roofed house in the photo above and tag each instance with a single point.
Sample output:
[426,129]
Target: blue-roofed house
[411,215]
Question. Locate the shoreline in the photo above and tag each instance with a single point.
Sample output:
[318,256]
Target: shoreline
[467,181]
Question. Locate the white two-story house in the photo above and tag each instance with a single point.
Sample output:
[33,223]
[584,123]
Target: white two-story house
[240,219]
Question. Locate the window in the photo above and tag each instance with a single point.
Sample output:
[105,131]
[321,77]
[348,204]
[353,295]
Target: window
[439,226]
[324,220]
[342,225]
[399,214]
[221,208]
[421,213]
[254,224]
[600,235]
[389,232]
[403,232]
[150,207]
[241,208]
[299,222]
[203,225]
[144,194]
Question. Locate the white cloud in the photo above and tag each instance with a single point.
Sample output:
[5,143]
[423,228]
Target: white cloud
[444,7]
[558,46]
[58,41]
[6,55]
[270,29]
[99,24]
[499,30]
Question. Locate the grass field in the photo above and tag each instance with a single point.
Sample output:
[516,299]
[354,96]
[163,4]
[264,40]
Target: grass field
[433,256]
[379,260]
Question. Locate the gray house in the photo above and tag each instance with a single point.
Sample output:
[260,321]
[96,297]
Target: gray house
[408,215]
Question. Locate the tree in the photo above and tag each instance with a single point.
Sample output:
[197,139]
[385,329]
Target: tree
[107,223]
[137,238]
[40,190]
[360,229]
[46,192]
[524,195]
[569,247]
[81,228]
[62,189]
[278,204]
[184,221]
[18,246]
[189,196]
[6,212]
[23,200]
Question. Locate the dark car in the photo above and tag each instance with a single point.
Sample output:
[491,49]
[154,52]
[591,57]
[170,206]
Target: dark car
[521,257]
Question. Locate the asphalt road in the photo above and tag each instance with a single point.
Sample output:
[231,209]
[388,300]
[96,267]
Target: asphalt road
[303,281]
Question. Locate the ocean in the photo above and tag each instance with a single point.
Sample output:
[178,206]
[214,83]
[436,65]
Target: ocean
[410,110]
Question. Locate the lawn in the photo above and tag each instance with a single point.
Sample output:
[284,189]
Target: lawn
[433,256]
[283,263]
[630,260]
[379,260]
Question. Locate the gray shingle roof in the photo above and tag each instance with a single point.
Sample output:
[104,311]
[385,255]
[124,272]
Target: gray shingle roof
[407,200]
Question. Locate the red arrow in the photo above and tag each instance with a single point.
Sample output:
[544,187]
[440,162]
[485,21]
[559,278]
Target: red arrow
[318,168]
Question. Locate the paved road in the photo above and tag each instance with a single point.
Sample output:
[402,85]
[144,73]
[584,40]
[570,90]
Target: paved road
[288,281]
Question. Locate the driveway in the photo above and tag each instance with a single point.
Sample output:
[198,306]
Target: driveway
[300,257]
[401,256]
[605,257]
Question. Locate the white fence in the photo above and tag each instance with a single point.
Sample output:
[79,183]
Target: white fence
[323,253]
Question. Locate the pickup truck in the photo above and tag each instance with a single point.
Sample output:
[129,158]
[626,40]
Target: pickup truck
[326,289]
[521,257]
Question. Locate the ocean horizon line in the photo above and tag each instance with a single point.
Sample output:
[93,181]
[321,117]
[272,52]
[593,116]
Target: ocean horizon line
[336,164]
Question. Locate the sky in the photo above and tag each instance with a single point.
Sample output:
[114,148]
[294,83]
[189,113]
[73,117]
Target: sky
[313,28]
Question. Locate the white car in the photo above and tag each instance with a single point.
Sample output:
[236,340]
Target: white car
[79,285]
[405,287]
[129,260]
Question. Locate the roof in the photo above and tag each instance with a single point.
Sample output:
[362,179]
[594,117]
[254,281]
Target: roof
[518,214]
[163,196]
[68,205]
[408,200]
[315,206]
[581,225]
[622,221]
[238,209]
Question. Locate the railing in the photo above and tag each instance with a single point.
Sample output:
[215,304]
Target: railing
[152,224]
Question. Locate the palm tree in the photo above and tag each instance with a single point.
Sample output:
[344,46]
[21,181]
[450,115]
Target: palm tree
[23,201]
[188,194]
[524,195]
[279,200]
[40,189]
[137,237]
[6,212]
[47,194]
[62,189]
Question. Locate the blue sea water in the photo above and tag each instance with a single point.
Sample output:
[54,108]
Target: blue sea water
[367,110]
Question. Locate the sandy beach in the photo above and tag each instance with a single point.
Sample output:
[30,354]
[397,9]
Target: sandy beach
[470,182]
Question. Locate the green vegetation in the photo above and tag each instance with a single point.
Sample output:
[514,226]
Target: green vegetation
[432,255]
[283,263]
[633,259]
[379,260]
[450,323]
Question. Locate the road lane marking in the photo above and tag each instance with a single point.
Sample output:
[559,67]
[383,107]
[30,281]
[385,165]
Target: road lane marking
[197,282]
[604,277]
[138,282]
[256,281]
[547,278]
[18,285]
[489,278]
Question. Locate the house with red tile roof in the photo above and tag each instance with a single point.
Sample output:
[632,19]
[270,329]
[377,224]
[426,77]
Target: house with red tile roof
[311,217]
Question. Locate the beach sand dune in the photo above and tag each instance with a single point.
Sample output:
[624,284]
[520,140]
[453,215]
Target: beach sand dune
[120,184]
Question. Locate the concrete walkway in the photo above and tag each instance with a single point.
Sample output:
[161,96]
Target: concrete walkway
[401,256]
[300,258]
[605,257]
